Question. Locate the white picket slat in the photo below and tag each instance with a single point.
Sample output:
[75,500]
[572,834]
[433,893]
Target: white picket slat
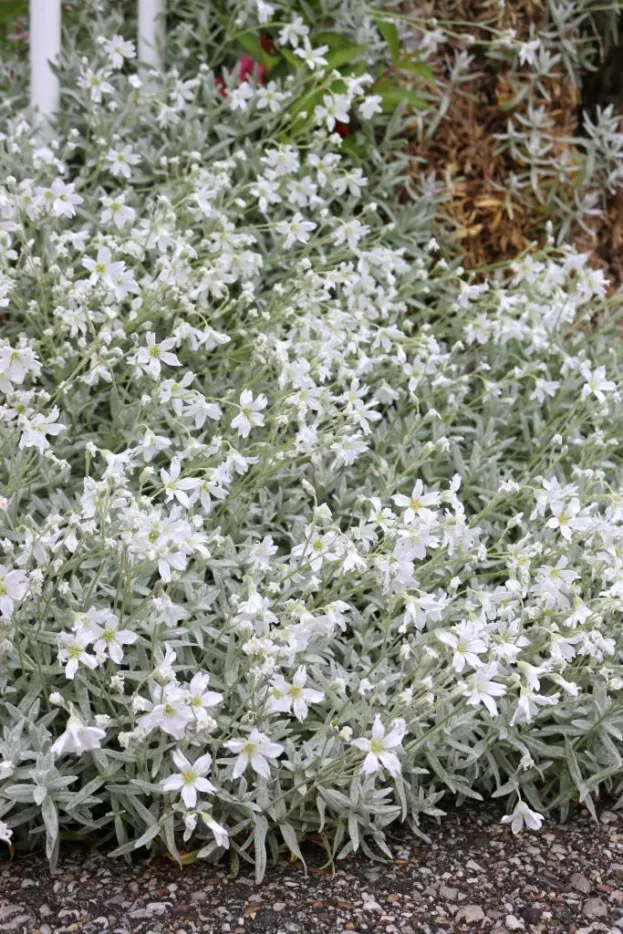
[45,47]
[151,32]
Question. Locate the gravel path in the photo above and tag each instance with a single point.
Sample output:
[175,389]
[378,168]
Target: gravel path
[473,876]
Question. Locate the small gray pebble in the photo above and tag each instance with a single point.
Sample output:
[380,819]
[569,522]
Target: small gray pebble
[594,908]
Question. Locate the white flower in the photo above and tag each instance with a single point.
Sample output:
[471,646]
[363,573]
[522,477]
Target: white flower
[295,230]
[334,107]
[418,504]
[121,161]
[13,588]
[567,519]
[313,58]
[596,383]
[73,652]
[350,232]
[544,388]
[103,267]
[78,738]
[123,284]
[35,428]
[522,817]
[528,705]
[480,688]
[348,449]
[65,198]
[259,554]
[183,91]
[117,210]
[264,11]
[378,747]
[176,487]
[467,644]
[528,50]
[284,697]
[118,49]
[110,639]
[270,98]
[15,364]
[293,32]
[283,161]
[172,715]
[249,416]
[151,357]
[370,106]
[254,751]
[96,83]
[220,834]
[201,699]
[5,832]
[238,98]
[265,190]
[190,778]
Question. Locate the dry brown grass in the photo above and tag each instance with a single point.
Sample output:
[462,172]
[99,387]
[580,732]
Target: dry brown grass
[488,221]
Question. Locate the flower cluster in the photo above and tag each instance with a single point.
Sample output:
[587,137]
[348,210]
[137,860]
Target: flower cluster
[300,527]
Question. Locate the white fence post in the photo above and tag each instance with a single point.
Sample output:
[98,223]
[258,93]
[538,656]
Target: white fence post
[151,32]
[45,46]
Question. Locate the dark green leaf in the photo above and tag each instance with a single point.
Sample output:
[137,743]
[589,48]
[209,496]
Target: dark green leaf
[392,96]
[339,57]
[306,103]
[335,40]
[419,68]
[390,34]
[251,44]
[9,9]
[291,58]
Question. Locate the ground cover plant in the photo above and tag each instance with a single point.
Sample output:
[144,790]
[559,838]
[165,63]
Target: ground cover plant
[302,529]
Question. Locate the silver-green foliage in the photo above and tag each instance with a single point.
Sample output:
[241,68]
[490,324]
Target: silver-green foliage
[301,529]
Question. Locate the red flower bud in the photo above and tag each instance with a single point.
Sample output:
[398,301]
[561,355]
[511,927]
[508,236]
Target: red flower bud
[267,43]
[244,67]
[247,66]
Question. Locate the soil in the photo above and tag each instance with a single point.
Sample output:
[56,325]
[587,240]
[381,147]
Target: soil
[472,875]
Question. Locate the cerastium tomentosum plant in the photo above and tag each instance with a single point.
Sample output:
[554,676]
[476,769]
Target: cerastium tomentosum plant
[301,529]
